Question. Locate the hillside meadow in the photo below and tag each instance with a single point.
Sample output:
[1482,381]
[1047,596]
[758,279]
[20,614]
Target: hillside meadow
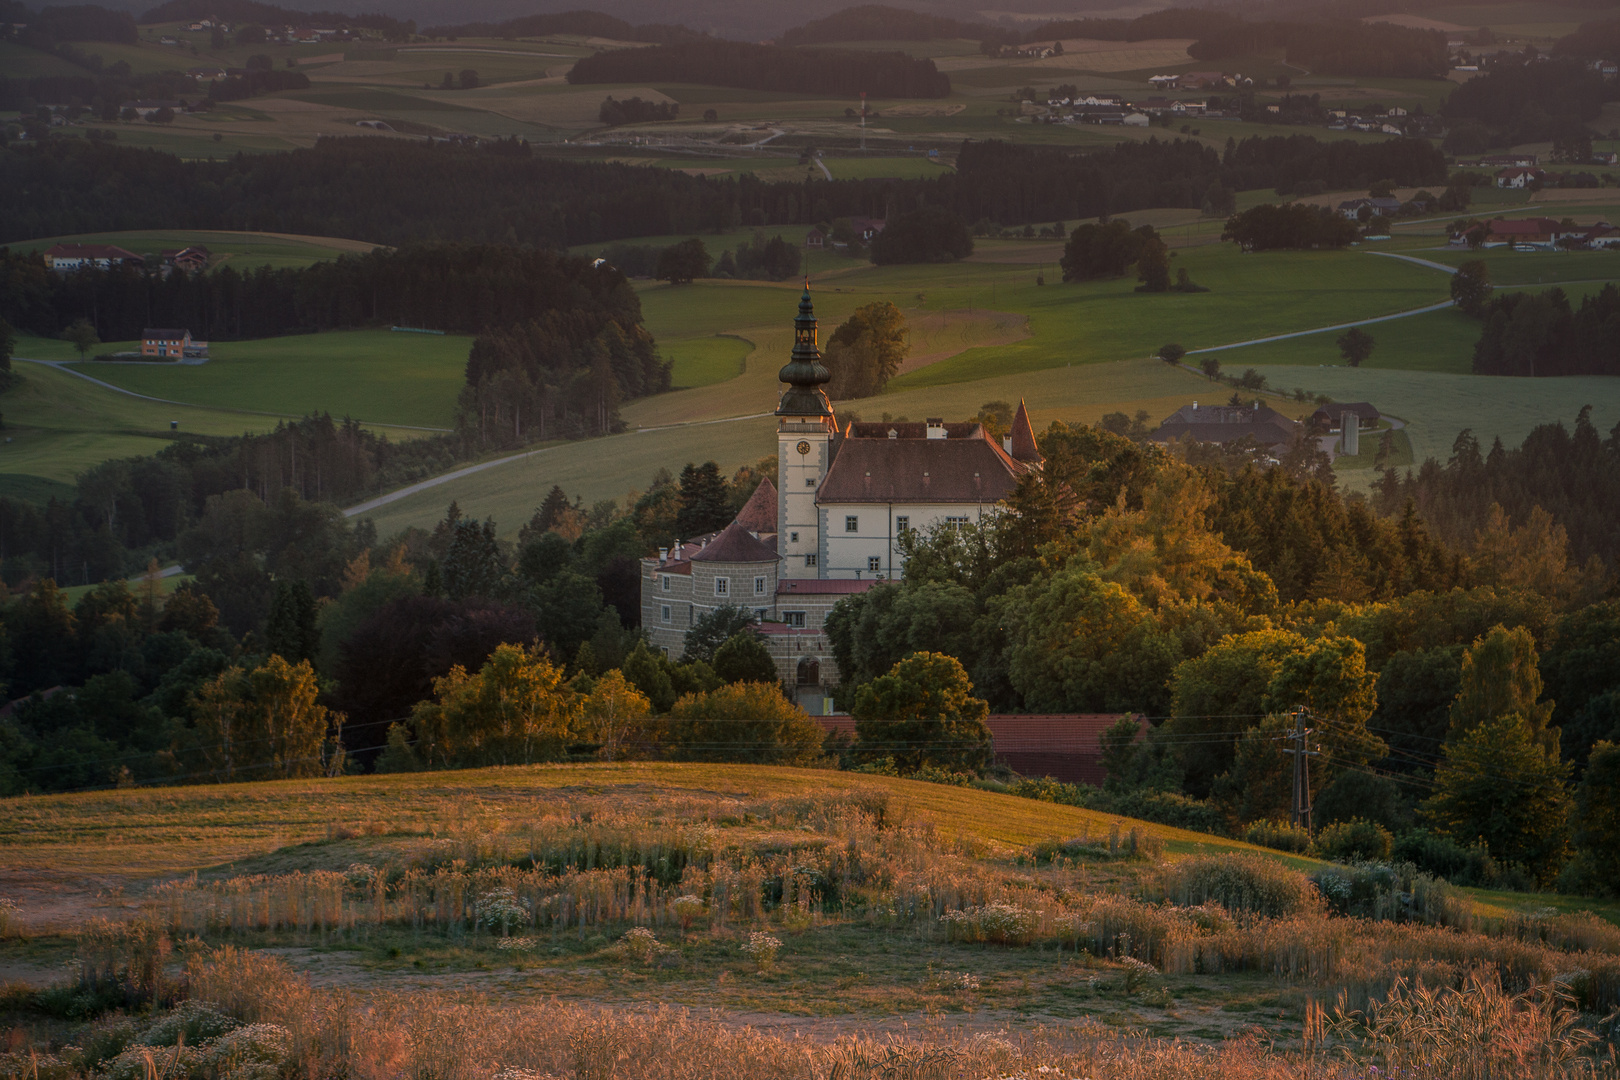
[771,900]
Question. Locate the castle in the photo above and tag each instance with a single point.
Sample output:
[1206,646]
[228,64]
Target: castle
[830,525]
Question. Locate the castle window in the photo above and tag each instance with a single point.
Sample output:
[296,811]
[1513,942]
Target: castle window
[852,524]
[955,522]
[664,581]
[809,481]
[810,560]
[664,614]
[722,586]
[874,564]
[793,619]
[793,538]
[902,523]
[759,586]
[759,613]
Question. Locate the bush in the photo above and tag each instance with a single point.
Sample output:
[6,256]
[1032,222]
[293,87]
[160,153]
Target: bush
[1239,883]
[1387,893]
[1279,836]
[641,945]
[1000,923]
[1169,808]
[1442,857]
[1354,841]
[762,949]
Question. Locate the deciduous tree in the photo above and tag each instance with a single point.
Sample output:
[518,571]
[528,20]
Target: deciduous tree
[923,713]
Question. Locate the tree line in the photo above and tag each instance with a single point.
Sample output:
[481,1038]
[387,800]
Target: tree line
[464,288]
[1213,599]
[392,191]
[842,72]
[1328,47]
[1520,98]
[581,23]
[877,22]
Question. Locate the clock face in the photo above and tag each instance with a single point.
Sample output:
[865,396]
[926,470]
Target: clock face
[803,447]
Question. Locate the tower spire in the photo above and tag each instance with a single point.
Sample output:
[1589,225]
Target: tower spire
[804,372]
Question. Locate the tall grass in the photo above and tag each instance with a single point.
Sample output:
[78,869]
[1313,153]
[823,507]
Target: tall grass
[730,868]
[1482,1032]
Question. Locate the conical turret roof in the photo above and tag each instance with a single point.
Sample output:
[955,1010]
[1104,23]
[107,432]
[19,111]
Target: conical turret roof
[1023,438]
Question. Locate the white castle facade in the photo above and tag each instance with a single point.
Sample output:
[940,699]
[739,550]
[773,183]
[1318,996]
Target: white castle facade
[830,526]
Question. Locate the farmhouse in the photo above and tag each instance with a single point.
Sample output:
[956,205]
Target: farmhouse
[1351,208]
[1228,423]
[831,524]
[1519,176]
[190,259]
[1539,231]
[1328,416]
[66,257]
[170,344]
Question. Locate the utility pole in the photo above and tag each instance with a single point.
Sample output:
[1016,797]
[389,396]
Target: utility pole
[863,121]
[1302,754]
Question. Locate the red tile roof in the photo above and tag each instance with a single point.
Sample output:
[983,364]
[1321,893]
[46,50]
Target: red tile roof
[758,514]
[1064,746]
[735,544]
[1023,437]
[89,251]
[966,466]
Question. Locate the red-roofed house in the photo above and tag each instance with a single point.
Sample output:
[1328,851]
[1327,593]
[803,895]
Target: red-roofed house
[1519,176]
[1542,231]
[1064,746]
[832,523]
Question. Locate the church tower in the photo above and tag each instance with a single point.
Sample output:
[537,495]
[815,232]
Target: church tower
[804,442]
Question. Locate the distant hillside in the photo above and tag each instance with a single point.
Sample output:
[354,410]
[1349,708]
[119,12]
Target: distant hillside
[875,22]
[252,11]
[768,68]
[584,23]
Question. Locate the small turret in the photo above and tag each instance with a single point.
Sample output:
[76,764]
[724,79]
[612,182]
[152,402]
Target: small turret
[805,374]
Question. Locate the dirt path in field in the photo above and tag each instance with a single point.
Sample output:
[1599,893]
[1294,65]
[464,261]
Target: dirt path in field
[50,901]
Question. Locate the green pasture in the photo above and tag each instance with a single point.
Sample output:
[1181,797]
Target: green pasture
[607,468]
[1516,20]
[1437,405]
[1438,341]
[1535,268]
[703,361]
[197,144]
[375,376]
[380,101]
[243,250]
[21,62]
[57,425]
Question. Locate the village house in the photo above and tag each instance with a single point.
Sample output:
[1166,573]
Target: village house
[1519,176]
[190,259]
[64,258]
[1329,418]
[831,524]
[171,344]
[1385,207]
[1263,425]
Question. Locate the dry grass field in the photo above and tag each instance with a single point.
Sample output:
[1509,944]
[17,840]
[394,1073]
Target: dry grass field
[719,921]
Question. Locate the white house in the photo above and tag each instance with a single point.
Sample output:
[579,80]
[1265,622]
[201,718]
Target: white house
[67,257]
